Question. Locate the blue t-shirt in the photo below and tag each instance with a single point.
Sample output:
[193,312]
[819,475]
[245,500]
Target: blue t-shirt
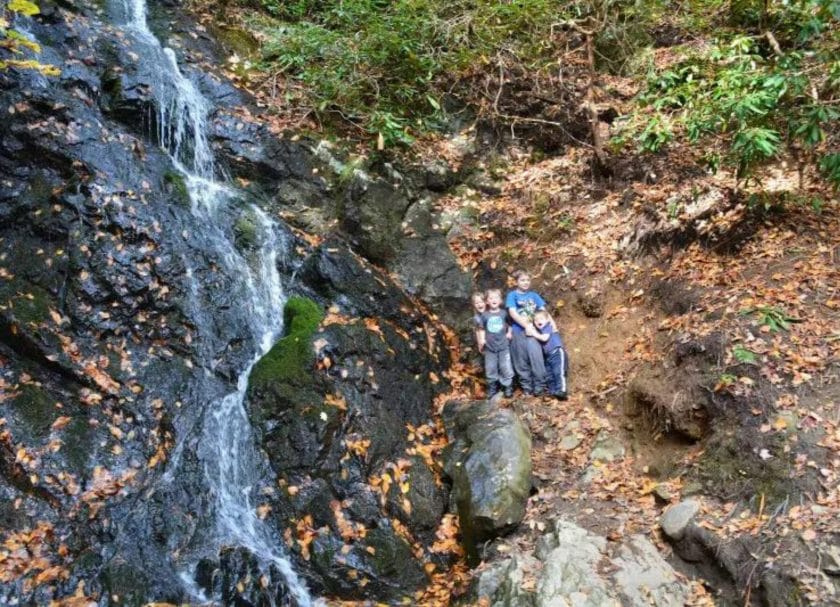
[525,303]
[554,342]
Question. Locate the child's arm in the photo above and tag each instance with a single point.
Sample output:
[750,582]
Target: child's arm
[481,338]
[540,336]
[520,319]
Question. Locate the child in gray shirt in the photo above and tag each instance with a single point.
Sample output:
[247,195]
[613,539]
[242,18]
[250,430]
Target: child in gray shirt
[494,333]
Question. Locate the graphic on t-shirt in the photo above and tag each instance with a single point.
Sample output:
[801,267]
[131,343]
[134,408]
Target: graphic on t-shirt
[495,324]
[526,306]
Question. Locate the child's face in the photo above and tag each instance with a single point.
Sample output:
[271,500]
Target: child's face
[540,321]
[478,304]
[523,283]
[494,300]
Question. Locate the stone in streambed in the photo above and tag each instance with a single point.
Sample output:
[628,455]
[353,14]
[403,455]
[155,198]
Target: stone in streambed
[677,518]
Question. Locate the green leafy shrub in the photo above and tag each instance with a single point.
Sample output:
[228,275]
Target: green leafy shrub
[381,65]
[767,94]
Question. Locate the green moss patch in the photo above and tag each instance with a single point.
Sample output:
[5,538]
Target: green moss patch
[176,186]
[290,359]
[28,303]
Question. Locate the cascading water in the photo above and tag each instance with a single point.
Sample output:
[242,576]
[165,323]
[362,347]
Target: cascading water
[231,461]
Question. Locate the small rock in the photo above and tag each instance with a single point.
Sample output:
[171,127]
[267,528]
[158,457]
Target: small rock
[830,560]
[607,448]
[569,442]
[662,492]
[677,518]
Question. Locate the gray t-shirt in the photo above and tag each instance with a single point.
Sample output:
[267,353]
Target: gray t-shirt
[495,330]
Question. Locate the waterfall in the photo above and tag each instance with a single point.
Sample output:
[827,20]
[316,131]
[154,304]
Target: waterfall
[230,458]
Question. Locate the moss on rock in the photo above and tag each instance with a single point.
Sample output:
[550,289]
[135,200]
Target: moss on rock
[176,186]
[27,302]
[245,230]
[290,358]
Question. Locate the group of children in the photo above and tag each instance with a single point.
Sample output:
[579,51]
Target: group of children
[520,337]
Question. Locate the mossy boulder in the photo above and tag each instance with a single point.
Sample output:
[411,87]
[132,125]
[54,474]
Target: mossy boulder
[490,467]
[245,230]
[289,361]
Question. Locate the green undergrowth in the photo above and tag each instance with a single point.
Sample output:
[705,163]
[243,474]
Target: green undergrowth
[386,67]
[290,359]
[762,90]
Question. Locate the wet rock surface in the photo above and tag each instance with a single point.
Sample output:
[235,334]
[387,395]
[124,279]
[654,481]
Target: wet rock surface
[342,421]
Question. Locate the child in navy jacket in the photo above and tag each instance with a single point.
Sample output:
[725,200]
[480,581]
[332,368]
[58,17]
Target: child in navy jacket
[556,360]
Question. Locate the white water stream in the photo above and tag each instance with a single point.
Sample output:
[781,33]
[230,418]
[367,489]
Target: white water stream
[231,461]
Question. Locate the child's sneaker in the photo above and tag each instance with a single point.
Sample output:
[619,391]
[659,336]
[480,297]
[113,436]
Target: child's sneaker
[562,396]
[508,391]
[492,390]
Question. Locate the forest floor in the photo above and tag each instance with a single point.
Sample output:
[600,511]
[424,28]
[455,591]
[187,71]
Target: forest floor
[756,276]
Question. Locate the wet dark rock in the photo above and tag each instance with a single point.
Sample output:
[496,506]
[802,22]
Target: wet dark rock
[119,322]
[251,152]
[238,579]
[342,420]
[392,226]
[428,269]
[372,214]
[121,325]
[490,468]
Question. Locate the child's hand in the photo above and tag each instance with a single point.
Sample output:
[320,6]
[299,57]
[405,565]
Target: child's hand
[530,331]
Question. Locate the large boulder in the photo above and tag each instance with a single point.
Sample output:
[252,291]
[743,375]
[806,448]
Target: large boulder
[490,466]
[573,566]
[334,403]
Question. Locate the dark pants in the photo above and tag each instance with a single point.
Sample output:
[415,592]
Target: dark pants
[557,366]
[528,362]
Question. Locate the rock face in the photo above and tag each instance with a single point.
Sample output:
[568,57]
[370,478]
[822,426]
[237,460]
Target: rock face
[568,570]
[490,467]
[393,224]
[338,438]
[121,324]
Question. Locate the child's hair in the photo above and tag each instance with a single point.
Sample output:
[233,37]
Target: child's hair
[517,273]
[541,314]
[477,295]
[493,292]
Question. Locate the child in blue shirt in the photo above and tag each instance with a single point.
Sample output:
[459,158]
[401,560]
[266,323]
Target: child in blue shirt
[528,360]
[556,360]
